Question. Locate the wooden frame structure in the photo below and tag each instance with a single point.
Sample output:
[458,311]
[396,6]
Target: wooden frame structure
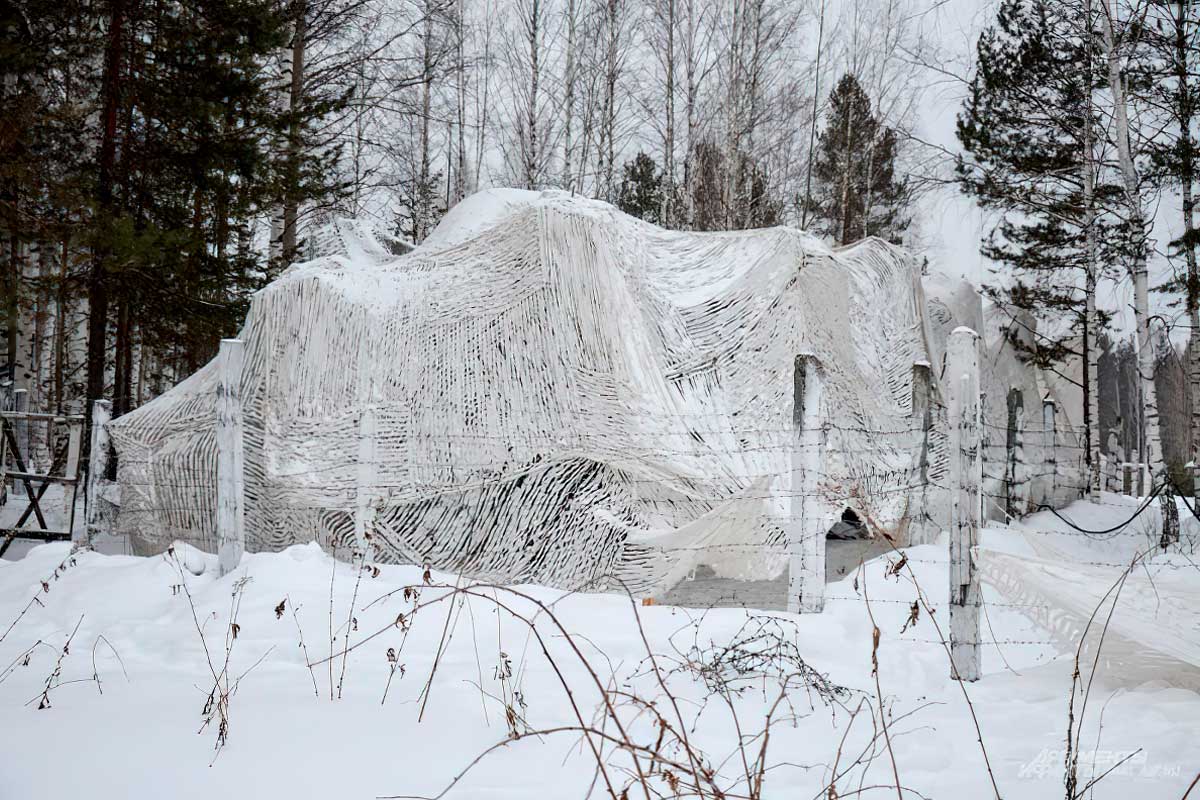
[63,469]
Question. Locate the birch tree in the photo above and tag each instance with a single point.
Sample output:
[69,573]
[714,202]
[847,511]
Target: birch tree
[527,147]
[1113,42]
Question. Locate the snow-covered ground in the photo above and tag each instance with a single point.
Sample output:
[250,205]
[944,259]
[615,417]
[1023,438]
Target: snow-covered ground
[124,714]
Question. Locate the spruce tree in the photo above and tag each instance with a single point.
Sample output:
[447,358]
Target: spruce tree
[641,189]
[194,115]
[857,193]
[1033,156]
[1023,130]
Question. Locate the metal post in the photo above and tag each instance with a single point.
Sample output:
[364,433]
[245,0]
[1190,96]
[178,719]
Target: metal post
[231,501]
[963,413]
[810,515]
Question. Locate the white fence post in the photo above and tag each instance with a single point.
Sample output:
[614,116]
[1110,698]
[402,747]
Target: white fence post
[810,518]
[231,488]
[97,465]
[1013,453]
[74,445]
[922,416]
[1050,448]
[368,474]
[20,429]
[964,418]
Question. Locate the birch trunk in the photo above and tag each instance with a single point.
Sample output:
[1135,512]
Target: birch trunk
[812,127]
[1137,218]
[1091,335]
[569,100]
[668,189]
[424,193]
[693,92]
[460,105]
[534,33]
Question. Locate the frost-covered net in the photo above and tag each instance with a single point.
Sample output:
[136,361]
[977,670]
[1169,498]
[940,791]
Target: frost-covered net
[561,394]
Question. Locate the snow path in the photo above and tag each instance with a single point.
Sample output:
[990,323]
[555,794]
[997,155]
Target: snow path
[139,737]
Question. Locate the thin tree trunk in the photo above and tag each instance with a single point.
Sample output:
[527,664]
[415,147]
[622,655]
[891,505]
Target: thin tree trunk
[98,277]
[1184,113]
[533,32]
[812,128]
[1091,334]
[121,377]
[60,325]
[691,55]
[460,183]
[569,101]
[667,212]
[424,190]
[289,236]
[733,96]
[1137,219]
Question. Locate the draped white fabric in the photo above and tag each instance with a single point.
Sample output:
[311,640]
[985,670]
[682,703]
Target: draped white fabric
[562,394]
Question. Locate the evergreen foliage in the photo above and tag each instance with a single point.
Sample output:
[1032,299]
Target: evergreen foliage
[857,192]
[140,152]
[641,189]
[1022,130]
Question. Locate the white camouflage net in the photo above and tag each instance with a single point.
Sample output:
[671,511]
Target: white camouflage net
[562,394]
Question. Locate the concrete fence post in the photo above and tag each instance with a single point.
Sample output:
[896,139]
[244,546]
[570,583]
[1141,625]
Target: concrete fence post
[922,416]
[1050,448]
[965,479]
[1013,448]
[810,519]
[231,488]
[97,466]
[367,478]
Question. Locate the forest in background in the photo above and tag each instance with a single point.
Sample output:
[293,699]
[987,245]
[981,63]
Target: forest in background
[160,161]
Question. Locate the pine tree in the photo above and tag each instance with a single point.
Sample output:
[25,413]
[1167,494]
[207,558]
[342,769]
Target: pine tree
[185,168]
[857,192]
[641,189]
[1022,130]
[1034,156]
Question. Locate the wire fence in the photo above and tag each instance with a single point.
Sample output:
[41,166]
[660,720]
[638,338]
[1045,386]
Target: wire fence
[732,487]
